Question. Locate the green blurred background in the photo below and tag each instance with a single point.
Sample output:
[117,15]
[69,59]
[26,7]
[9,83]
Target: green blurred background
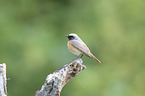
[33,45]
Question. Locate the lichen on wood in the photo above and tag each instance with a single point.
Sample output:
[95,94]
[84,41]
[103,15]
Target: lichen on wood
[56,81]
[3,88]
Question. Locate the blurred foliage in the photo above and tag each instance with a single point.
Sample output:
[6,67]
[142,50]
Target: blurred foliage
[33,44]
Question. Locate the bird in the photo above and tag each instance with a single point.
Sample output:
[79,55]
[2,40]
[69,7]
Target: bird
[78,47]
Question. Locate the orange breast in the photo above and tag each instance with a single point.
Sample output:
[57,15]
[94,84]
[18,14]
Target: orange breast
[73,49]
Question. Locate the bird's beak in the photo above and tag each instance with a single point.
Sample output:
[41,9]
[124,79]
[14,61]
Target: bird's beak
[66,35]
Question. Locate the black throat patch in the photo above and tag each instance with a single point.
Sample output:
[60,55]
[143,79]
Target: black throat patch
[71,38]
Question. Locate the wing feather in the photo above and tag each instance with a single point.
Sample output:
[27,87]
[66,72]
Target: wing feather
[81,46]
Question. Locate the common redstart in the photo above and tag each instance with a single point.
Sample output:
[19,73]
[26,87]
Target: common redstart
[78,47]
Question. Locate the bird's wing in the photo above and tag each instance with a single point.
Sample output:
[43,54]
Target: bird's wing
[81,46]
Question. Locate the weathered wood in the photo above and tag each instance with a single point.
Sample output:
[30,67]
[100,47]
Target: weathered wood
[3,88]
[56,81]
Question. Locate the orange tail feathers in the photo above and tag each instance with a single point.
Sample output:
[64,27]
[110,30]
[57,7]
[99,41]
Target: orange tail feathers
[92,56]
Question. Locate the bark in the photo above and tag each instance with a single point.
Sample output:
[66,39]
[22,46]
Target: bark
[3,88]
[56,81]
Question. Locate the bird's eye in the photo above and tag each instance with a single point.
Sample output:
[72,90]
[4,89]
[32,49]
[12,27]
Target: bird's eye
[71,36]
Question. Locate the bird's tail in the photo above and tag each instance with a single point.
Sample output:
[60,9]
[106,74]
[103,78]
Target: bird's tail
[92,56]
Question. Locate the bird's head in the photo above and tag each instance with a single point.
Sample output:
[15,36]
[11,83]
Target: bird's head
[73,36]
